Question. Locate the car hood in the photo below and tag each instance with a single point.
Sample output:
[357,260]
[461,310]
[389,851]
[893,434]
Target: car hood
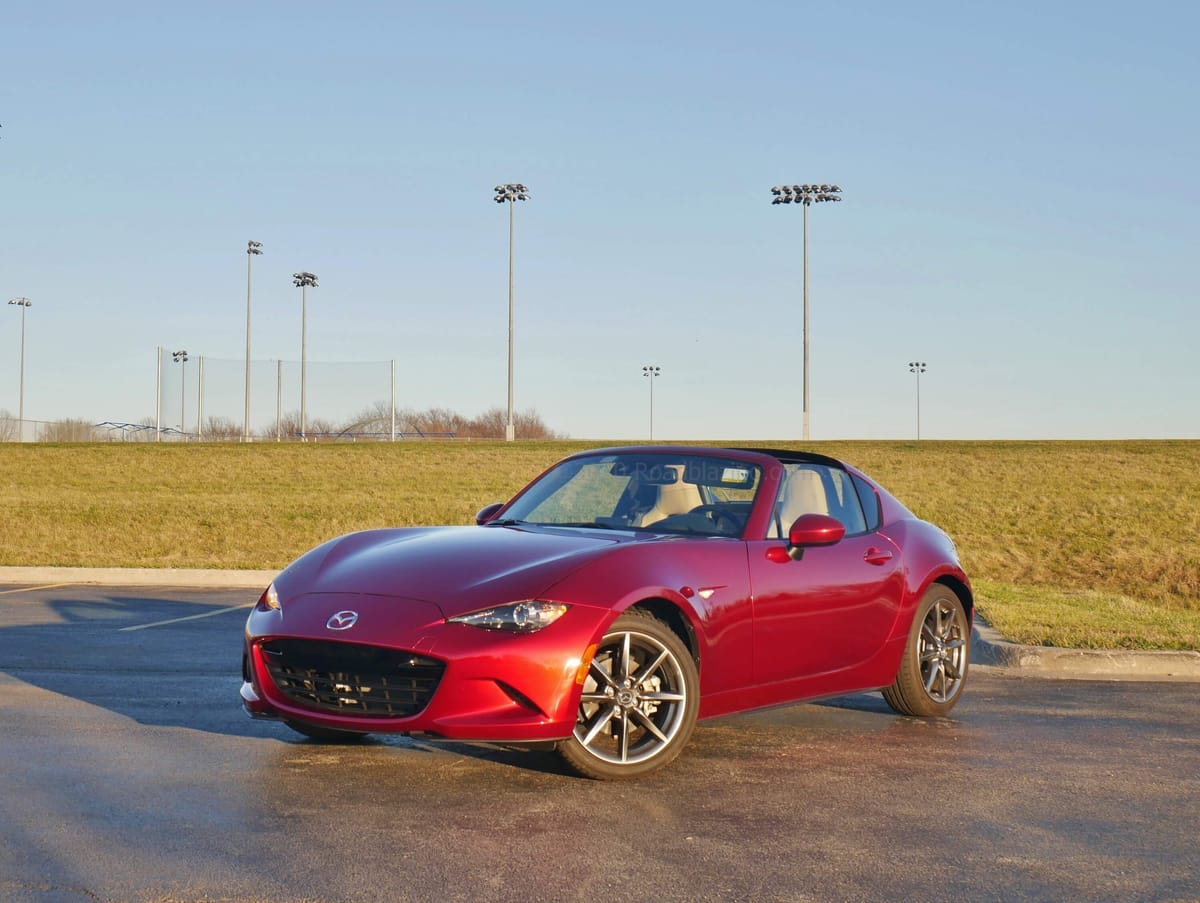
[459,569]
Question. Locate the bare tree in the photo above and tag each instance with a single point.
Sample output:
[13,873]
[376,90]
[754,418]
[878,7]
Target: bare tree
[491,425]
[68,430]
[375,422]
[221,429]
[439,421]
[529,425]
[288,429]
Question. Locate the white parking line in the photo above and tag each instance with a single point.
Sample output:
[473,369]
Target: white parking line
[207,614]
[30,589]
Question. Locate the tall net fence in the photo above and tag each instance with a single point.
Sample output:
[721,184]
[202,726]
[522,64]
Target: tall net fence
[13,429]
[205,398]
[199,398]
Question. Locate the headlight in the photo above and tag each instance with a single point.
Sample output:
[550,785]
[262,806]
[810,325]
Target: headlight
[518,617]
[269,600]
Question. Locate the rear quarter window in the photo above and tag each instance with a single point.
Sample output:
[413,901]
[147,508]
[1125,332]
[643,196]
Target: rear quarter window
[870,502]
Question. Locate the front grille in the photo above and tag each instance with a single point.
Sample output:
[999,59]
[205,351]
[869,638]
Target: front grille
[350,679]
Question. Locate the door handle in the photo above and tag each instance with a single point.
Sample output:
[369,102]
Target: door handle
[877,556]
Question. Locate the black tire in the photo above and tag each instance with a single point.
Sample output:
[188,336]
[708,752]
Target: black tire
[936,657]
[639,702]
[326,734]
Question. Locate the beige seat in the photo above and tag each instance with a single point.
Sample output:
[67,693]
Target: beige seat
[677,498]
[804,493]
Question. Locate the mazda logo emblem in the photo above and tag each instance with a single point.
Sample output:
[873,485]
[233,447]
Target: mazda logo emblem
[343,620]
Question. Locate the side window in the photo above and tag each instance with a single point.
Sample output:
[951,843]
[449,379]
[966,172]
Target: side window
[844,503]
[817,489]
[870,503]
[801,492]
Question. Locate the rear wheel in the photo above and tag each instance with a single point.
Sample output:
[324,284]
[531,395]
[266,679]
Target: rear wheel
[639,702]
[934,667]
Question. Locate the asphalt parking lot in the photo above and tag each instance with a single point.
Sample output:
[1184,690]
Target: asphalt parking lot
[131,774]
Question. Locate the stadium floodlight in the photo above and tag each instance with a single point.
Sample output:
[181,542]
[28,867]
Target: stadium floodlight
[253,248]
[181,358]
[511,192]
[302,281]
[652,372]
[806,195]
[24,304]
[917,367]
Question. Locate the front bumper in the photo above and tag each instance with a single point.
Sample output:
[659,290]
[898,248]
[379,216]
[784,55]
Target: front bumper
[493,685]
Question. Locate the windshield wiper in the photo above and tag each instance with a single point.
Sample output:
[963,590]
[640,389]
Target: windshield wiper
[515,522]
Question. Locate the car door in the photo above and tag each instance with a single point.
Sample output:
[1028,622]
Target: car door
[828,608]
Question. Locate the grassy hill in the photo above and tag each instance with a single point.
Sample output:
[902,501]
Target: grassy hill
[1069,543]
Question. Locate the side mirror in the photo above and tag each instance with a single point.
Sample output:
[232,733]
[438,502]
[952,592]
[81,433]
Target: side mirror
[487,513]
[814,530]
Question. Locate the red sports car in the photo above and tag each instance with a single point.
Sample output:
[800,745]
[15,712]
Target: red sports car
[617,599]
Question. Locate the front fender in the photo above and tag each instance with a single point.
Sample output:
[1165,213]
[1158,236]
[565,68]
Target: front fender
[706,580]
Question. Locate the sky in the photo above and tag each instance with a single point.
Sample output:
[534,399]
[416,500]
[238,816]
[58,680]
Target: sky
[1021,212]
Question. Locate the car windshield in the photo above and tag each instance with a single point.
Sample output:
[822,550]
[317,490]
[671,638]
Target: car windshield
[663,493]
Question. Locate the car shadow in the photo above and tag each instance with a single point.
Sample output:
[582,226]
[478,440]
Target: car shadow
[172,658]
[167,658]
[530,757]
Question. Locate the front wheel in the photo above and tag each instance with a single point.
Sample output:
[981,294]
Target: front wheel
[934,667]
[639,702]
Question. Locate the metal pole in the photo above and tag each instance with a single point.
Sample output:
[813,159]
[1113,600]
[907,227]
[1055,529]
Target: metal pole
[393,399]
[279,401]
[200,399]
[510,192]
[304,363]
[158,397]
[651,371]
[181,357]
[510,428]
[917,367]
[252,248]
[805,427]
[806,195]
[652,407]
[23,303]
[21,403]
[246,413]
[304,280]
[182,399]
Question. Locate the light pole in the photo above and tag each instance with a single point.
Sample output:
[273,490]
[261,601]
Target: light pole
[181,357]
[806,195]
[511,193]
[917,367]
[252,248]
[303,281]
[652,373]
[24,304]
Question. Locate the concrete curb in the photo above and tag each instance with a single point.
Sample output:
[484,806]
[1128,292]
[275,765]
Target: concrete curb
[988,648]
[172,577]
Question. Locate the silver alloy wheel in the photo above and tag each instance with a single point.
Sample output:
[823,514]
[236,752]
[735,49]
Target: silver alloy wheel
[942,649]
[634,699]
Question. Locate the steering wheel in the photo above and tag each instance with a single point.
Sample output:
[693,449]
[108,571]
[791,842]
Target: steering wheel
[719,514]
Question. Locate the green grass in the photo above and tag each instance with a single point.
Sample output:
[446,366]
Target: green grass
[1070,543]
